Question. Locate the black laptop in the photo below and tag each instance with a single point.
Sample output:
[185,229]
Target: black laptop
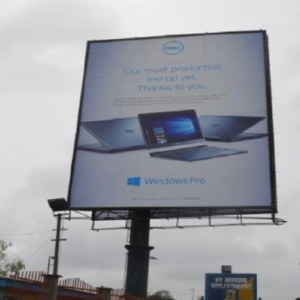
[176,128]
[114,135]
[229,128]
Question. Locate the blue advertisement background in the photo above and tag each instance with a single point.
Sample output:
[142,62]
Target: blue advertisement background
[222,286]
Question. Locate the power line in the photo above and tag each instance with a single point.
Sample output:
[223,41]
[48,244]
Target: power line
[28,233]
[39,248]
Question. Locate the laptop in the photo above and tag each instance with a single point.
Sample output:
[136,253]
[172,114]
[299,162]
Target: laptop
[176,128]
[229,128]
[114,135]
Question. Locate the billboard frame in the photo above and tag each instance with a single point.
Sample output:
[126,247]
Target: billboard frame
[159,212]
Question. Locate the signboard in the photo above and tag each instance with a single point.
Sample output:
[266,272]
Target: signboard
[144,98]
[230,287]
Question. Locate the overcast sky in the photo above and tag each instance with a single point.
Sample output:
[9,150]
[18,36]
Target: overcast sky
[42,51]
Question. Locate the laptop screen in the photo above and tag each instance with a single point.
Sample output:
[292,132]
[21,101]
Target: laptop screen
[170,128]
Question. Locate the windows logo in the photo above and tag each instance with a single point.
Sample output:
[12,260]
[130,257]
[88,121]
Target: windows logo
[134,181]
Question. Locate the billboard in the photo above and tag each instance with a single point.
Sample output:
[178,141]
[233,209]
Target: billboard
[176,122]
[230,286]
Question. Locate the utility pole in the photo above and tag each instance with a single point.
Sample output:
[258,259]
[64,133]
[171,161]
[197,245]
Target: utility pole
[57,240]
[53,279]
[57,206]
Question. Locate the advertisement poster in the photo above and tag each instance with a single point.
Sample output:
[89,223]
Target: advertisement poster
[231,287]
[180,121]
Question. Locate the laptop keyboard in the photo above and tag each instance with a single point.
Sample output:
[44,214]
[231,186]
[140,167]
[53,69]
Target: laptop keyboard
[196,153]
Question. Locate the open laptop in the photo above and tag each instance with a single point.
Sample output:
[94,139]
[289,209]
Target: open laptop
[229,128]
[175,128]
[114,135]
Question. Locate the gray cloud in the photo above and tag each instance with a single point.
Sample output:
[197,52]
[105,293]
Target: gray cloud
[42,59]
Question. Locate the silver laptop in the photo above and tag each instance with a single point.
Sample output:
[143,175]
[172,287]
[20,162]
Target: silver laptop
[229,128]
[114,135]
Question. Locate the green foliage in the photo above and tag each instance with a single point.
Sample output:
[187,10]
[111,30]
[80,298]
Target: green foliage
[8,267]
[161,295]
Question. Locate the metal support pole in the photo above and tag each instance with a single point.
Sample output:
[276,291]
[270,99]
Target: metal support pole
[136,283]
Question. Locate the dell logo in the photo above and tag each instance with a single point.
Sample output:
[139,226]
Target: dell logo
[172,48]
[129,130]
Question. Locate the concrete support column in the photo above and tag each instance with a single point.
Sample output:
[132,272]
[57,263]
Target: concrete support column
[50,286]
[104,293]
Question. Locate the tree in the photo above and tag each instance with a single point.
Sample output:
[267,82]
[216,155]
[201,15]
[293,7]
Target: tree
[9,267]
[161,295]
